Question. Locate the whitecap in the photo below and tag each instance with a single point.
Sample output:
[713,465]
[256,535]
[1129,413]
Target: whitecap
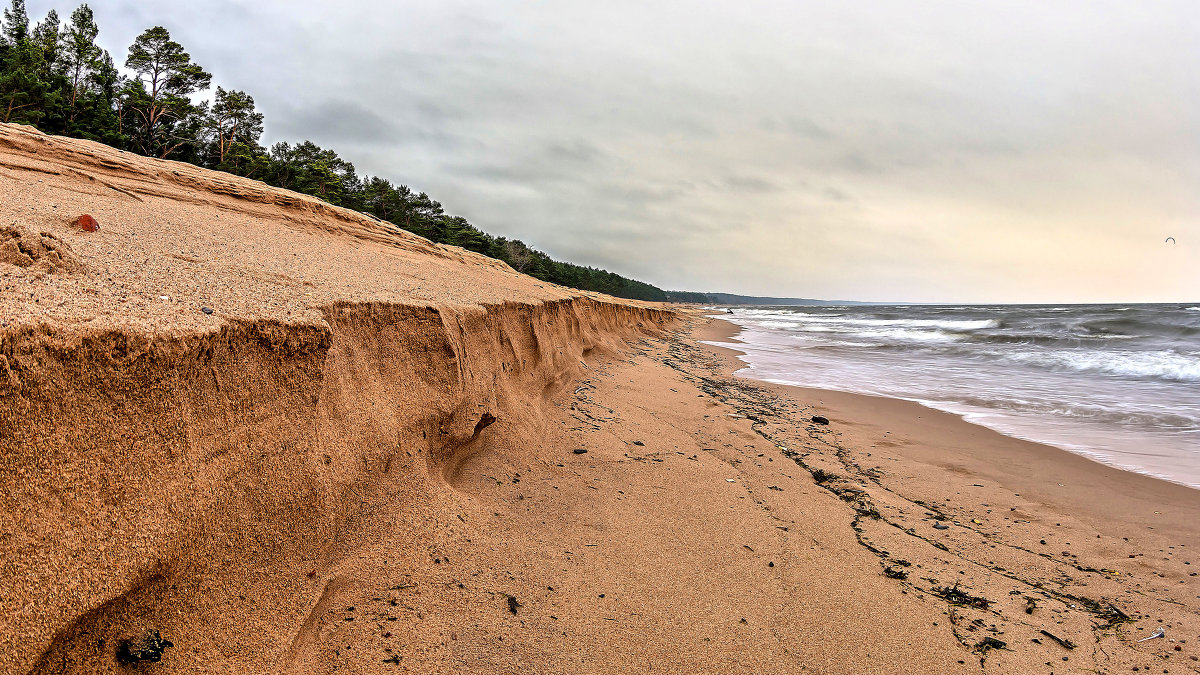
[955,325]
[910,335]
[850,324]
[1163,365]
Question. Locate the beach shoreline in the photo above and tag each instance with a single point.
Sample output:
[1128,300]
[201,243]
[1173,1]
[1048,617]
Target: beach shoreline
[1108,383]
[887,412]
[943,451]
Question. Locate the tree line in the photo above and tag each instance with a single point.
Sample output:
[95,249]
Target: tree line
[56,77]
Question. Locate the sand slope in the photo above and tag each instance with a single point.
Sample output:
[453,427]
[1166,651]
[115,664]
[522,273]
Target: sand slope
[202,474]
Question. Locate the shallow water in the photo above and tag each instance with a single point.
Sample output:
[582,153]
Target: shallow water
[1117,383]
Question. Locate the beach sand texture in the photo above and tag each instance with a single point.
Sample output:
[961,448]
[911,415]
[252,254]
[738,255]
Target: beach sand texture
[366,458]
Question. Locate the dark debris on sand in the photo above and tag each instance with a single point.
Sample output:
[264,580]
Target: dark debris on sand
[149,647]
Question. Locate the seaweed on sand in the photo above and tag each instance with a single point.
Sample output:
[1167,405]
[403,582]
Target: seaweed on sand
[960,598]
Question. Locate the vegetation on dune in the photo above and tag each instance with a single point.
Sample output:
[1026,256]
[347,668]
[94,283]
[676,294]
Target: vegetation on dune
[56,77]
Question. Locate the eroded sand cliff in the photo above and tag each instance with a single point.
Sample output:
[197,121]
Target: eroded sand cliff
[201,473]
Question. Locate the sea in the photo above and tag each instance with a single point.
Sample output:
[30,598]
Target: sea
[1117,383]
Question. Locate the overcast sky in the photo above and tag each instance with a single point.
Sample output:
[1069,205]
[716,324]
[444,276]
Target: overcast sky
[922,151]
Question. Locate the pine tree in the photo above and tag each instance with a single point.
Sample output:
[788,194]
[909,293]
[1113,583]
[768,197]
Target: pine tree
[157,99]
[81,56]
[16,24]
[95,115]
[46,36]
[22,90]
[233,121]
[311,169]
[380,198]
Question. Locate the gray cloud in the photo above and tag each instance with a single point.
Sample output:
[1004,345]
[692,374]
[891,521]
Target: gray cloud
[992,150]
[337,122]
[749,184]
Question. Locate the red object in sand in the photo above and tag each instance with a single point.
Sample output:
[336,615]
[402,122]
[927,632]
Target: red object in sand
[86,223]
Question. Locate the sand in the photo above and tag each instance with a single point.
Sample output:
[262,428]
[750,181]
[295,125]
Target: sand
[368,459]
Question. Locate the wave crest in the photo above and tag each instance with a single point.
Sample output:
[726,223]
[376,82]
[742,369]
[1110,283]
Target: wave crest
[1162,365]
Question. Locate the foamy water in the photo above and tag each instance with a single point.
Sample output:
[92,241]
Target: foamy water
[1117,383]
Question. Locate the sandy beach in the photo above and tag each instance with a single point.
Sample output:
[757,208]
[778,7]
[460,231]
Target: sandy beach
[1103,554]
[375,454]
